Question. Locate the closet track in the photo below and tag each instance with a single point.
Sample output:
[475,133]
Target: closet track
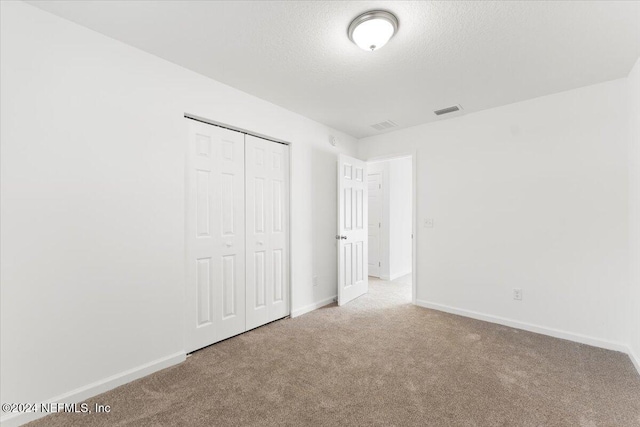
[233,128]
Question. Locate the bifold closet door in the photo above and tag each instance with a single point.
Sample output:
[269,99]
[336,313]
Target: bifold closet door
[267,231]
[215,228]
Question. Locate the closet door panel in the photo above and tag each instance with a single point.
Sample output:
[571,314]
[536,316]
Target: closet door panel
[279,180]
[230,210]
[267,180]
[258,253]
[215,235]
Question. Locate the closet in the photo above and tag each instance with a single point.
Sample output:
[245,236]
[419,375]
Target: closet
[237,233]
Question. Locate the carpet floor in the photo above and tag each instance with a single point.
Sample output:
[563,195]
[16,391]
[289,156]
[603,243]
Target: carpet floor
[380,361]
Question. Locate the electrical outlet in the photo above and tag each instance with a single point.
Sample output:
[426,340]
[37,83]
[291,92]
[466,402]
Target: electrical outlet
[428,223]
[517,294]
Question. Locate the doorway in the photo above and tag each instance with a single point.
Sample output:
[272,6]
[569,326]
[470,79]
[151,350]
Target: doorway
[390,226]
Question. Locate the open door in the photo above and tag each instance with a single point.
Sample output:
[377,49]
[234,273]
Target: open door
[352,237]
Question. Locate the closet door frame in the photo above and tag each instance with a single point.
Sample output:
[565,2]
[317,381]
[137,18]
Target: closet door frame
[290,147]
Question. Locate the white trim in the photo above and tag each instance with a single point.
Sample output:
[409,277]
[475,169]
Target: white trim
[583,339]
[414,222]
[290,229]
[83,393]
[634,359]
[395,276]
[314,306]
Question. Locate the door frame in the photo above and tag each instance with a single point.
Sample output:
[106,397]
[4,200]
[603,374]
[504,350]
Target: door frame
[291,163]
[414,210]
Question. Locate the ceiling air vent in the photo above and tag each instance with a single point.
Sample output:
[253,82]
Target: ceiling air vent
[384,125]
[448,110]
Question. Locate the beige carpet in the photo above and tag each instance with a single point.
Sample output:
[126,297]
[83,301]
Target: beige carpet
[381,361]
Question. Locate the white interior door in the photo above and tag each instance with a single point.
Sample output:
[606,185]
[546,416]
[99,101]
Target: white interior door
[215,229]
[375,222]
[267,214]
[352,229]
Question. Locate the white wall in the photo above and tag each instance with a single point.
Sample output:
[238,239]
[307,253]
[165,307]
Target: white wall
[93,154]
[634,212]
[530,195]
[400,216]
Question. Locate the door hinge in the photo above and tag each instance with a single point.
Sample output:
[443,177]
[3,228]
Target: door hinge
[379,264]
[379,225]
[379,185]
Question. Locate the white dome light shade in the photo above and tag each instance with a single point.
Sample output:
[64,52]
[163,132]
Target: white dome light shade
[372,30]
[372,34]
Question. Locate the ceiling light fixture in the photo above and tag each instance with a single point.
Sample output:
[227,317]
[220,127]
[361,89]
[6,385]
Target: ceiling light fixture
[373,29]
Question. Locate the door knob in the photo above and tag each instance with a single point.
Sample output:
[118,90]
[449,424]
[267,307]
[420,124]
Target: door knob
[228,245]
[260,242]
[338,237]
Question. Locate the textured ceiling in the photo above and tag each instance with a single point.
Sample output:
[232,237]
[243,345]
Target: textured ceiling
[296,53]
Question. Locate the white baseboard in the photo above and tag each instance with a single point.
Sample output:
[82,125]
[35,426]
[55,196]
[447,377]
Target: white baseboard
[634,359]
[83,393]
[583,339]
[311,307]
[394,276]
[399,275]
